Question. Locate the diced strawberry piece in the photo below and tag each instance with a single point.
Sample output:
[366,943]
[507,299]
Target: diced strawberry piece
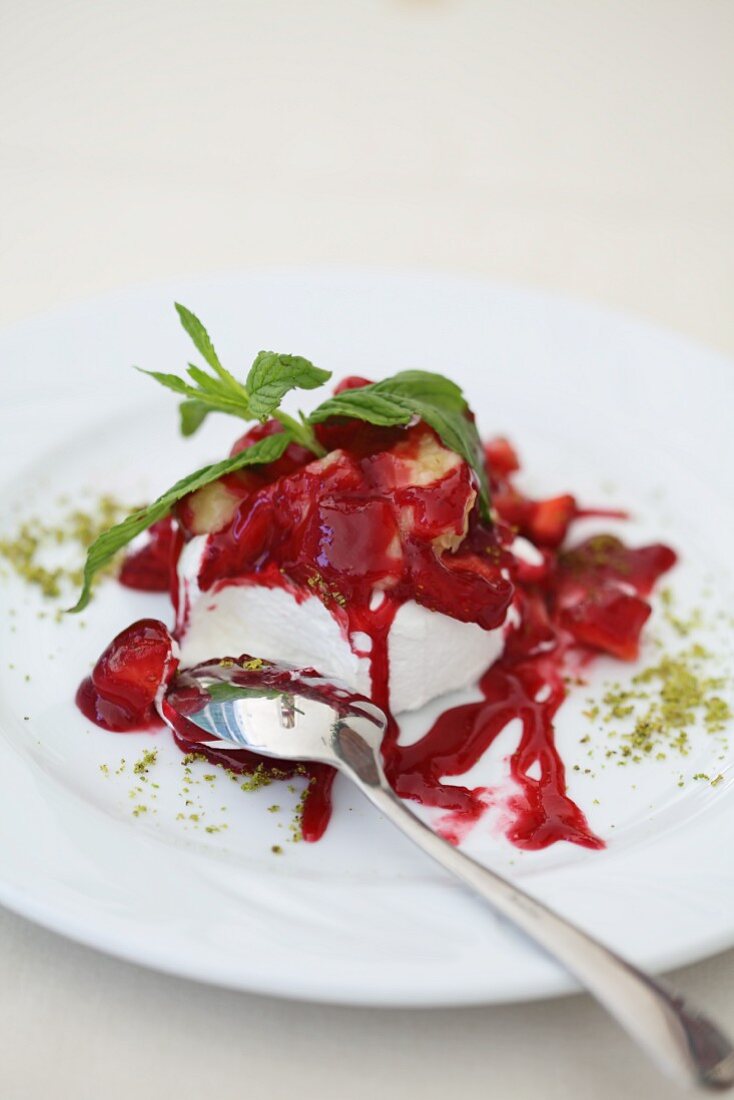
[120,693]
[515,509]
[292,458]
[353,540]
[599,592]
[536,632]
[356,436]
[550,520]
[611,621]
[132,667]
[501,456]
[463,586]
[429,486]
[351,382]
[544,522]
[149,568]
[527,572]
[605,557]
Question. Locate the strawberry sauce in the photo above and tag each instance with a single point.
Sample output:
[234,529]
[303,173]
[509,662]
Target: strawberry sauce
[364,532]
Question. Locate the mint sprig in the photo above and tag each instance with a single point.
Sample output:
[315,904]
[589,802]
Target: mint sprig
[416,393]
[270,378]
[409,395]
[107,545]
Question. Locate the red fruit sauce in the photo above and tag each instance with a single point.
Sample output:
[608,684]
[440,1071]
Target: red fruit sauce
[339,528]
[149,568]
[121,692]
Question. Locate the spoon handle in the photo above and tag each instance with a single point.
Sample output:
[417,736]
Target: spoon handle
[678,1037]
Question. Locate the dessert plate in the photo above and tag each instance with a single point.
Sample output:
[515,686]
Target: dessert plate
[165,863]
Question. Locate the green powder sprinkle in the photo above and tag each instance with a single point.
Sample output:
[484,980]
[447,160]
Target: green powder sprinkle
[30,550]
[682,627]
[665,701]
[143,765]
[191,756]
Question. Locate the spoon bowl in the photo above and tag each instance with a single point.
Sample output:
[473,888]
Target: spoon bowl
[274,710]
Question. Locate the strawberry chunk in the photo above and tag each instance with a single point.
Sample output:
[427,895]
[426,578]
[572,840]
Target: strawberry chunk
[351,382]
[501,457]
[292,458]
[149,568]
[612,622]
[605,558]
[600,590]
[544,522]
[120,693]
[550,519]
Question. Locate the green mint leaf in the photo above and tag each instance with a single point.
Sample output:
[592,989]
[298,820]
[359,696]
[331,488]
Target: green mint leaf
[193,414]
[171,382]
[107,545]
[272,376]
[433,398]
[219,390]
[211,392]
[208,382]
[202,342]
[200,337]
[366,403]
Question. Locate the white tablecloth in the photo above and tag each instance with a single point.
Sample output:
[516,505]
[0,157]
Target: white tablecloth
[581,145]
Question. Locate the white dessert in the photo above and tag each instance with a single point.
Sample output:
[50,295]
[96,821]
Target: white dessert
[429,653]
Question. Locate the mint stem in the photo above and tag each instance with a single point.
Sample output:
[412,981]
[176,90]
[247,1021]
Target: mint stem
[301,433]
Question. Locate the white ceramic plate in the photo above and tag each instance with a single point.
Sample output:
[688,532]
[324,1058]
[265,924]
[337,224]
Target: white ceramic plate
[615,411]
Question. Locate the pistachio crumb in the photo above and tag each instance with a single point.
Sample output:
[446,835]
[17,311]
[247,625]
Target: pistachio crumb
[142,766]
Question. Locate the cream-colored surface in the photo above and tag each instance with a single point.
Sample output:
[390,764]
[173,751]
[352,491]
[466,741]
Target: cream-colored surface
[581,145]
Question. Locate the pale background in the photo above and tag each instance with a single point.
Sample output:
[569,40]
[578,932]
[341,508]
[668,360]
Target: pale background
[580,145]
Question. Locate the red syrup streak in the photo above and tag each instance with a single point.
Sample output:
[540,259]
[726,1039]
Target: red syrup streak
[591,602]
[149,568]
[541,812]
[340,530]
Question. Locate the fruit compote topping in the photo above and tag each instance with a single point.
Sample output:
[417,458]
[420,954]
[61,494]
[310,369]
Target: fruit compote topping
[149,567]
[129,677]
[391,510]
[390,515]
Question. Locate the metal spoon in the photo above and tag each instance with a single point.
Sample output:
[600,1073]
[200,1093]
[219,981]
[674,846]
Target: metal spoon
[297,715]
